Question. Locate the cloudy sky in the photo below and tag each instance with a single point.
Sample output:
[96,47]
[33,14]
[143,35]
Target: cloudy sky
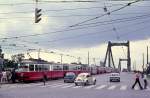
[58,32]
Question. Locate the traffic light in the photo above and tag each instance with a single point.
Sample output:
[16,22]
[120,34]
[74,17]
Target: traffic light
[37,15]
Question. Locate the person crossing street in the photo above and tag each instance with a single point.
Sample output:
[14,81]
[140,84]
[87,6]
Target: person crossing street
[137,80]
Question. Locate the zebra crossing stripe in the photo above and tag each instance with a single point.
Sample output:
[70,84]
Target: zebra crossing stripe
[67,86]
[101,87]
[148,89]
[88,87]
[136,88]
[50,85]
[124,87]
[76,87]
[58,85]
[112,87]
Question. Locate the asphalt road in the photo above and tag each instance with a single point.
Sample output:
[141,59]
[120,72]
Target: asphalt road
[58,89]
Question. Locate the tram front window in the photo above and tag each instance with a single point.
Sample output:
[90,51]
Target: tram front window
[23,68]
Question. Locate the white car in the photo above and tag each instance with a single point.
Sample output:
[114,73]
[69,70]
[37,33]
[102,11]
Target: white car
[85,79]
[114,77]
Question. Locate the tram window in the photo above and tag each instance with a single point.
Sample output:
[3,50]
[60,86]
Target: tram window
[65,68]
[57,68]
[36,68]
[46,67]
[40,67]
[31,67]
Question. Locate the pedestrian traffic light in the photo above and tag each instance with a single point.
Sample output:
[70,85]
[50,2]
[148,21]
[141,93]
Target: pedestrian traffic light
[37,15]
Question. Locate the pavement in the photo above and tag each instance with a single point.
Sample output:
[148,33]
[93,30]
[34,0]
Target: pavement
[58,89]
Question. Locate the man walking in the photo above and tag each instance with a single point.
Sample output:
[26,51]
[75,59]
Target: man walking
[145,81]
[137,80]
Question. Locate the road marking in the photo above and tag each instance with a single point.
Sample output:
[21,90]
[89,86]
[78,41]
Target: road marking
[136,88]
[58,85]
[50,85]
[88,87]
[123,87]
[76,86]
[101,87]
[67,86]
[148,89]
[112,87]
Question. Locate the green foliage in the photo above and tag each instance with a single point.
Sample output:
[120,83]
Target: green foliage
[10,64]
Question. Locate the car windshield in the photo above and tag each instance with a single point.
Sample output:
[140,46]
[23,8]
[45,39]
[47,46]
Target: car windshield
[115,74]
[70,74]
[82,75]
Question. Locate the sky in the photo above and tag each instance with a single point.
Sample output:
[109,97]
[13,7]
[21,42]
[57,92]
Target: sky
[58,32]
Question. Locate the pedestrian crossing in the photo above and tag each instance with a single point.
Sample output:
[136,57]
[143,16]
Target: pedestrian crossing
[72,86]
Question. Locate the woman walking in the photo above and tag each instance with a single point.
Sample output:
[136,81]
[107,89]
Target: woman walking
[137,80]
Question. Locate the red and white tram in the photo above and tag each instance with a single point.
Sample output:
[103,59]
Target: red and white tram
[35,69]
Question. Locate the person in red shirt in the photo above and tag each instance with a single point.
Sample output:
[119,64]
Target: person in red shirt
[137,80]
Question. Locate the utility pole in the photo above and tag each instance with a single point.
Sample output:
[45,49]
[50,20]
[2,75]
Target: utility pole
[143,62]
[88,59]
[61,55]
[39,54]
[147,55]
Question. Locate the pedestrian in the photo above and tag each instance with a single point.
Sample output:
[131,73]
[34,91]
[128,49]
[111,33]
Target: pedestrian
[145,81]
[44,80]
[137,80]
[4,77]
[13,76]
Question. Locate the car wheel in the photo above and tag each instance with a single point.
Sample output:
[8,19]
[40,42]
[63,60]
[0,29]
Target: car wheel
[110,80]
[84,84]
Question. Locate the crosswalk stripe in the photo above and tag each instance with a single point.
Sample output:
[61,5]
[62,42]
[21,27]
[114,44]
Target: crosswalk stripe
[148,89]
[136,88]
[58,85]
[76,87]
[123,87]
[112,87]
[67,86]
[101,87]
[50,85]
[88,87]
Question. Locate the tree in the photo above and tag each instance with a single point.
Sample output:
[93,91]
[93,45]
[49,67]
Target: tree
[18,58]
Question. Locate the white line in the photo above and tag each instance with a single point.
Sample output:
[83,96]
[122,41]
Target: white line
[76,86]
[123,87]
[51,85]
[136,88]
[112,87]
[67,86]
[148,89]
[88,87]
[58,85]
[101,87]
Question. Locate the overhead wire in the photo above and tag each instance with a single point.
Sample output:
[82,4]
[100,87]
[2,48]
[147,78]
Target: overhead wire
[129,4]
[114,28]
[16,37]
[88,34]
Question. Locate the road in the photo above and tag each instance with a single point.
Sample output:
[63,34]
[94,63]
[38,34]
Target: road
[58,89]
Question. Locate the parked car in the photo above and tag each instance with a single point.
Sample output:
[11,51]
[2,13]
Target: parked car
[85,79]
[114,77]
[69,77]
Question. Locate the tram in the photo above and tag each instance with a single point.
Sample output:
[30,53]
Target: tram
[37,69]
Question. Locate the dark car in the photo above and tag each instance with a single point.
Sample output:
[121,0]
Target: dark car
[69,77]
